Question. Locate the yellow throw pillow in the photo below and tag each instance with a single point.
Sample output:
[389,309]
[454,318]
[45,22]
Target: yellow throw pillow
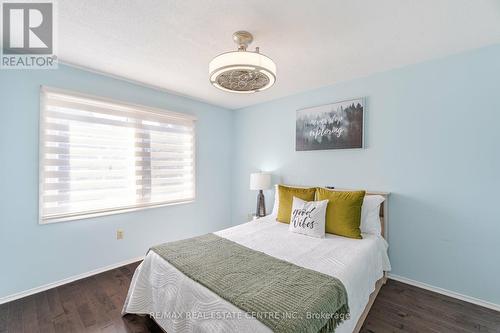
[286,195]
[343,213]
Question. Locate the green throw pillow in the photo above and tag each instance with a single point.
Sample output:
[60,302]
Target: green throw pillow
[286,195]
[343,213]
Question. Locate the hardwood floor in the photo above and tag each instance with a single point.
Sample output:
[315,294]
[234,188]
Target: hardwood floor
[94,305]
[400,307]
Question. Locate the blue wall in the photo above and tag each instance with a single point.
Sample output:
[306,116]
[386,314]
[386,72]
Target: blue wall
[432,139]
[31,254]
[432,136]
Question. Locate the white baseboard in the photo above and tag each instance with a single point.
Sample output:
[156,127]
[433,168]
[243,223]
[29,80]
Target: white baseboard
[446,292]
[35,290]
[422,285]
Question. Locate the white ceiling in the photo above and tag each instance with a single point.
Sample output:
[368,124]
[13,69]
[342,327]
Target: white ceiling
[168,43]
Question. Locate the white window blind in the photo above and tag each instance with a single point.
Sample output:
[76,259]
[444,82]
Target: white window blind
[100,157]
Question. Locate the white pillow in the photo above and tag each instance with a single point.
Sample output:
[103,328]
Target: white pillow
[308,217]
[276,201]
[370,219]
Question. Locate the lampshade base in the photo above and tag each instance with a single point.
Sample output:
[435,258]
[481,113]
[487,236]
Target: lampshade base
[261,205]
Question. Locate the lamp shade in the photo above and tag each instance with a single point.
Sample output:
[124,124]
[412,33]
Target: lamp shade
[260,181]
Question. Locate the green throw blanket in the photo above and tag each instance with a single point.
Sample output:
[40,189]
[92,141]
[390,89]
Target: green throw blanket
[283,296]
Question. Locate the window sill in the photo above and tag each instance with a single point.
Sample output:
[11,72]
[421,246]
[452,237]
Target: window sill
[83,216]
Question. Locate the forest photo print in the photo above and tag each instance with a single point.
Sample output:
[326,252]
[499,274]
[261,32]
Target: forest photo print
[332,126]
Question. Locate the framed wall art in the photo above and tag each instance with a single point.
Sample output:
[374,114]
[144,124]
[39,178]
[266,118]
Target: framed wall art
[338,125]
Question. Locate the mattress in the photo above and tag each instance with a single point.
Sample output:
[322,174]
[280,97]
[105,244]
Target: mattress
[179,304]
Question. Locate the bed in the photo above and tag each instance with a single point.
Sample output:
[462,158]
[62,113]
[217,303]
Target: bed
[179,304]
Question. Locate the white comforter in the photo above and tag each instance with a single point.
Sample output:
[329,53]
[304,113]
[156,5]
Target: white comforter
[182,305]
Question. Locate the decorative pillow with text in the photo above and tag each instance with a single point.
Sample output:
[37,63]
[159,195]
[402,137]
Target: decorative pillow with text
[308,217]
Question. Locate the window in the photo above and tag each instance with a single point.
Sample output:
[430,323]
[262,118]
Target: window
[100,157]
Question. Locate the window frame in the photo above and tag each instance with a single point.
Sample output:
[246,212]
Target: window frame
[109,211]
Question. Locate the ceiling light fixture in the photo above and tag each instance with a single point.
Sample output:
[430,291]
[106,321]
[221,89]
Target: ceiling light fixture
[242,71]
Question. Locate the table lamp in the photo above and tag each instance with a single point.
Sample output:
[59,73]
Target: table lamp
[260,181]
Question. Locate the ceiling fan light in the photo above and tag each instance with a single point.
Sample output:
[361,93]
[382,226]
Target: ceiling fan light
[242,71]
